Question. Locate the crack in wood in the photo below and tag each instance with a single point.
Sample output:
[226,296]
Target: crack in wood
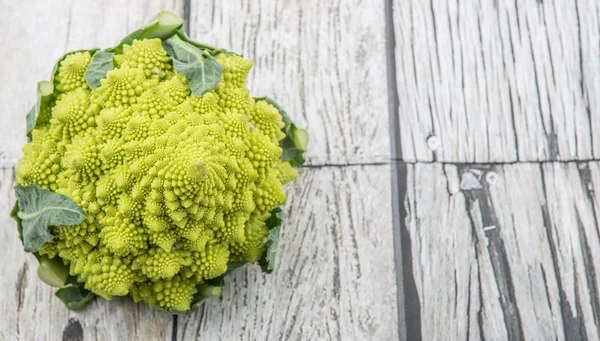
[477,247]
[469,308]
[584,92]
[480,311]
[585,176]
[412,305]
[20,288]
[590,273]
[498,258]
[174,328]
[186,16]
[407,299]
[545,280]
[572,325]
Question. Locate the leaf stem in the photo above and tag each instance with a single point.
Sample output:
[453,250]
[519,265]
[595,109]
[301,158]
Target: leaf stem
[25,216]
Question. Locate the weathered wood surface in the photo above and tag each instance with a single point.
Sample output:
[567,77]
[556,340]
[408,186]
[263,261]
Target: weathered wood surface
[325,62]
[504,252]
[498,81]
[493,81]
[335,278]
[329,284]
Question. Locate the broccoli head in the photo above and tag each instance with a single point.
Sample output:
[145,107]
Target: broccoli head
[173,186]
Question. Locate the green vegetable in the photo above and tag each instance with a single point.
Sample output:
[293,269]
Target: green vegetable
[53,272]
[102,62]
[152,173]
[267,261]
[41,107]
[296,139]
[201,70]
[74,296]
[14,214]
[39,209]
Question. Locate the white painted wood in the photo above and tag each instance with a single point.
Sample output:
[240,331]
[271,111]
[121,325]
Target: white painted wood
[498,81]
[335,277]
[325,62]
[37,33]
[511,261]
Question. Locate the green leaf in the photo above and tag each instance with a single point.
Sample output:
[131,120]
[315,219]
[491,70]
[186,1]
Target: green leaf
[75,296]
[267,261]
[14,214]
[162,26]
[275,219]
[201,70]
[296,139]
[39,209]
[102,62]
[52,271]
[45,96]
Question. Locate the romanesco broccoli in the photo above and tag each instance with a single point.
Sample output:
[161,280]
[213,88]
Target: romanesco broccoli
[173,186]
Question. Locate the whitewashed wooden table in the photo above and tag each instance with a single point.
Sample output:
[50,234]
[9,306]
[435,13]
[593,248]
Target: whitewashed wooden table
[449,191]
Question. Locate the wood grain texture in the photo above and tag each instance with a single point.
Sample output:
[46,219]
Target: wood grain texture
[498,81]
[513,260]
[325,62]
[37,33]
[335,277]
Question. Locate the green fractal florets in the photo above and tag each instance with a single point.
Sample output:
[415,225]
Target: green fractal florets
[173,186]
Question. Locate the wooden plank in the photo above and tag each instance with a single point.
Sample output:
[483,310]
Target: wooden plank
[325,62]
[514,259]
[335,277]
[37,33]
[498,81]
